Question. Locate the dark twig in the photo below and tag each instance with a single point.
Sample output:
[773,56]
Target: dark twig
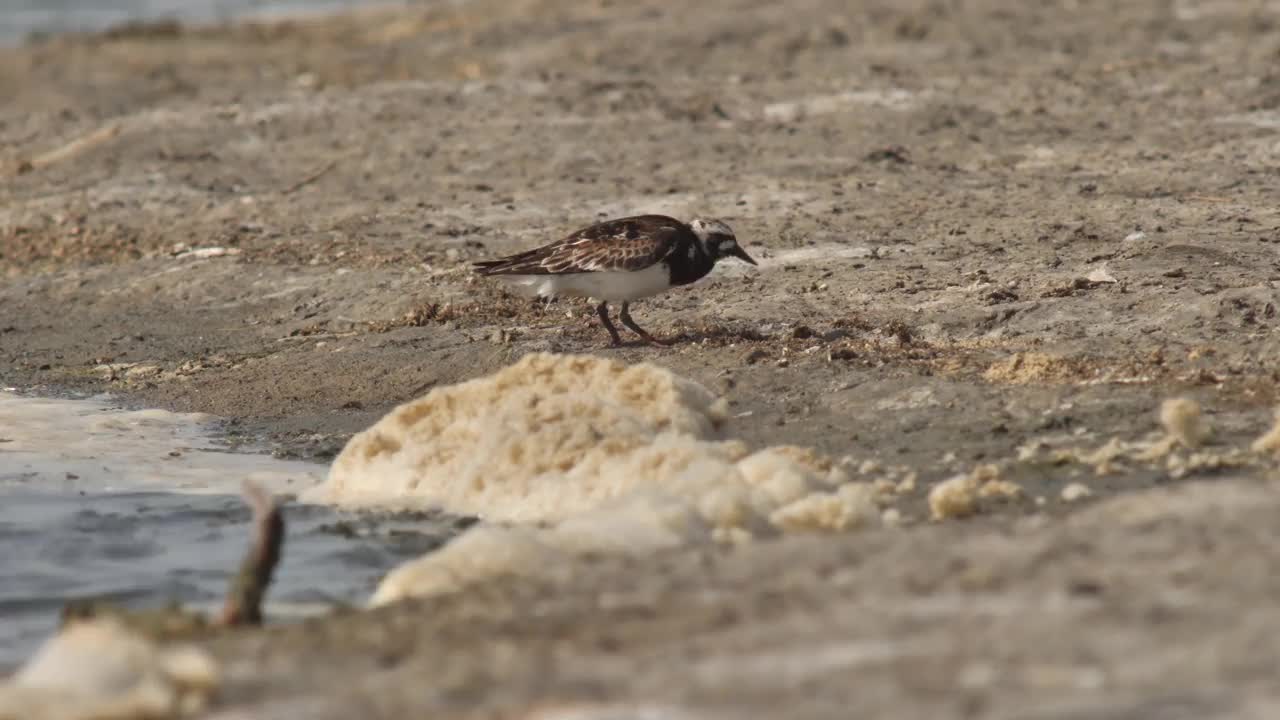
[309,179]
[244,599]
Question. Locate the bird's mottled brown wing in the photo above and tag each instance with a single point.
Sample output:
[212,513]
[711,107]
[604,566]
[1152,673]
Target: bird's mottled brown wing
[625,244]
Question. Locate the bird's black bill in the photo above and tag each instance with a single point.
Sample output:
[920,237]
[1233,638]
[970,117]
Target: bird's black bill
[741,254]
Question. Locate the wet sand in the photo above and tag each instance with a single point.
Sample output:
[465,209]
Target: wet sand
[980,227]
[142,509]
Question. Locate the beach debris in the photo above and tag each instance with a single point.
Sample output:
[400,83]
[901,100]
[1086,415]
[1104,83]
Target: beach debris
[1178,448]
[71,149]
[103,669]
[107,662]
[1269,442]
[1075,492]
[243,604]
[310,178]
[1101,276]
[1184,427]
[1026,368]
[962,495]
[576,455]
[181,251]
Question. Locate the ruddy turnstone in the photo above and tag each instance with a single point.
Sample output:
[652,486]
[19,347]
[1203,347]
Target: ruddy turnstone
[620,260]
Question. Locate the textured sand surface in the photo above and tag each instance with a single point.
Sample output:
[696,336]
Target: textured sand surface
[995,239]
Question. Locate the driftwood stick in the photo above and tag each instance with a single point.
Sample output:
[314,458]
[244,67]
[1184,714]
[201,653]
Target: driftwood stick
[243,605]
[73,148]
[310,178]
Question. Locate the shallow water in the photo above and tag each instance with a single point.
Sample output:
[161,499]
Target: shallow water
[141,507]
[21,18]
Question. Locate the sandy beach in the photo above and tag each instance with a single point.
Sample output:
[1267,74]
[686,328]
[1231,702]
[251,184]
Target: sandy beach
[989,233]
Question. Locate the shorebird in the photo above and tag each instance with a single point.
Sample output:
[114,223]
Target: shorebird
[620,260]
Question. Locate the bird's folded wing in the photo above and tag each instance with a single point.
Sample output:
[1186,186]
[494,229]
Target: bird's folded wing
[627,244]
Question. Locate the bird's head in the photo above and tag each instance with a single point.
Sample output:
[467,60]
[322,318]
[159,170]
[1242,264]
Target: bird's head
[718,240]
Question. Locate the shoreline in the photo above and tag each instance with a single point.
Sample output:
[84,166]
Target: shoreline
[166,23]
[973,252]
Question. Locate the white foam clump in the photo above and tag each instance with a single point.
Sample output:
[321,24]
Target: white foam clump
[100,670]
[616,458]
[717,500]
[540,441]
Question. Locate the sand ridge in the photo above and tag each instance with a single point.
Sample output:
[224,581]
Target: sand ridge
[991,234]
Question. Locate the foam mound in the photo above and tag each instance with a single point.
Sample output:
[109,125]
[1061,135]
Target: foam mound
[541,440]
[567,455]
[716,500]
[100,670]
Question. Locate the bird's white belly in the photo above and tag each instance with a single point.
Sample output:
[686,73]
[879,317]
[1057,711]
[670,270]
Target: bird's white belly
[599,285]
